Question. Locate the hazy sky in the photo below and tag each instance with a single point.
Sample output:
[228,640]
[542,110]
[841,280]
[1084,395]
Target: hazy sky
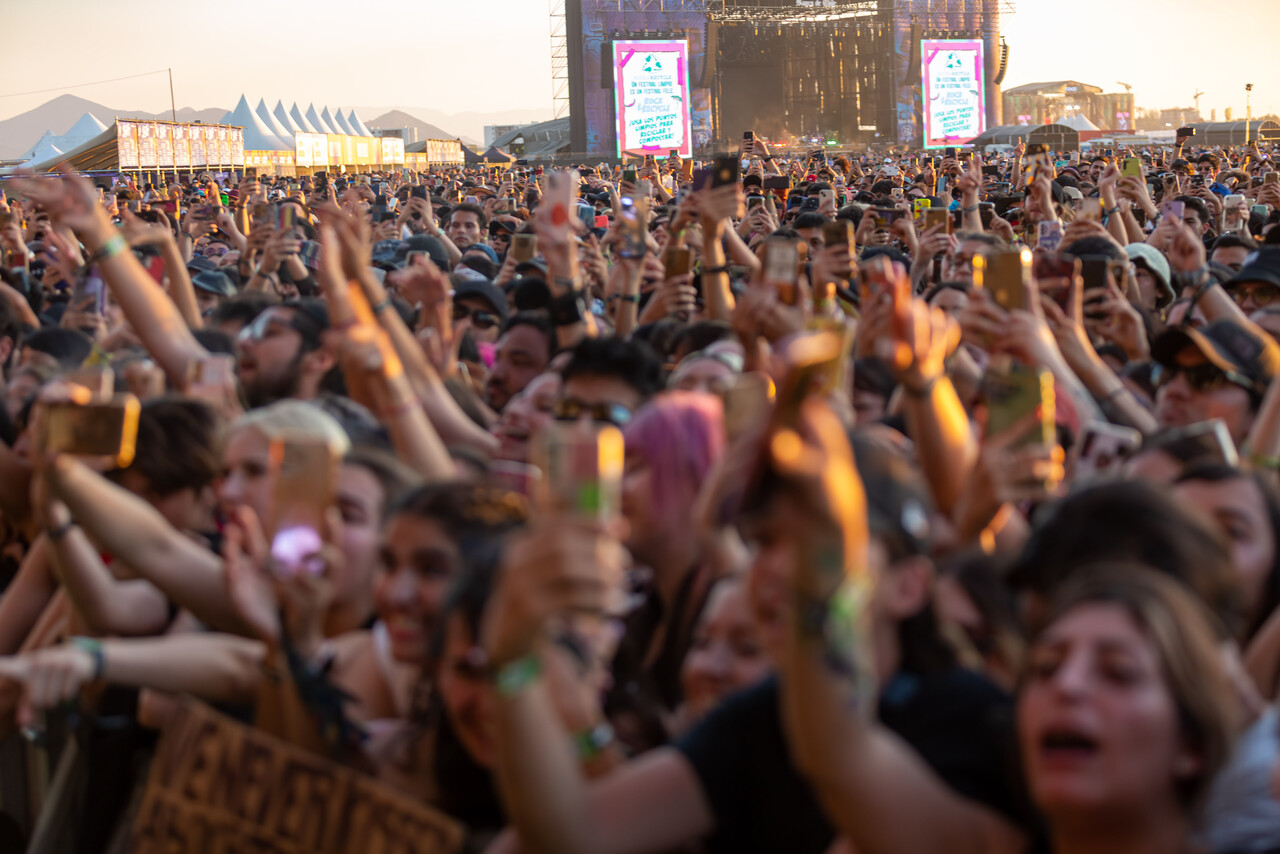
[482,55]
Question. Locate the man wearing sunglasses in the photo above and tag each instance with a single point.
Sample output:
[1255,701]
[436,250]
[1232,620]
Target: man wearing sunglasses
[607,379]
[1219,371]
[281,353]
[486,306]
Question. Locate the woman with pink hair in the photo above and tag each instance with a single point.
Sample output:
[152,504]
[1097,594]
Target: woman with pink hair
[672,445]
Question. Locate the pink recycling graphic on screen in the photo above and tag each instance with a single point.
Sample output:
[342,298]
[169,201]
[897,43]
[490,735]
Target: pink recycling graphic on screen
[651,97]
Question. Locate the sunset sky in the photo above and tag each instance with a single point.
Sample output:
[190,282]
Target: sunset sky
[482,55]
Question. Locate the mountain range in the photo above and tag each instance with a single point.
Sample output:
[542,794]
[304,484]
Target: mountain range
[19,133]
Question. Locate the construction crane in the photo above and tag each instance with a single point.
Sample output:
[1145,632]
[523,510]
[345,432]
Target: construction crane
[1126,86]
[1197,100]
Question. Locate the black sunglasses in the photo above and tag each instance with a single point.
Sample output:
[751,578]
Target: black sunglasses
[1201,378]
[479,319]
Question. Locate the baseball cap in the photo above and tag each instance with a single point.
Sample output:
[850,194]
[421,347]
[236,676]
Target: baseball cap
[1228,346]
[1073,193]
[1260,266]
[486,249]
[214,282]
[430,245]
[1146,255]
[481,289]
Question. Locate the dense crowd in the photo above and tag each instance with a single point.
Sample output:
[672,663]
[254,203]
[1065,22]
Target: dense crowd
[886,502]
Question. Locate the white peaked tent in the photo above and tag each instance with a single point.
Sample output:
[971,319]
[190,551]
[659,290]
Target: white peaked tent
[317,122]
[85,129]
[327,118]
[300,120]
[341,121]
[357,126]
[282,133]
[47,137]
[257,134]
[43,150]
[1077,121]
[283,117]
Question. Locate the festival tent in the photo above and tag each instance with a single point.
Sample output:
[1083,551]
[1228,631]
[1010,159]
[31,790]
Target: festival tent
[85,129]
[330,123]
[1078,122]
[43,150]
[300,120]
[357,126]
[318,122]
[283,117]
[46,140]
[257,135]
[341,121]
[275,125]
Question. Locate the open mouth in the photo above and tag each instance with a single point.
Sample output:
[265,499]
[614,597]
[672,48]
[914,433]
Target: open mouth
[1063,743]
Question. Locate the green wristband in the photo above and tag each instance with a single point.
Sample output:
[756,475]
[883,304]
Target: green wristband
[94,647]
[514,677]
[591,743]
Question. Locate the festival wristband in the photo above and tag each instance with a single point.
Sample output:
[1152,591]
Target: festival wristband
[114,246]
[513,678]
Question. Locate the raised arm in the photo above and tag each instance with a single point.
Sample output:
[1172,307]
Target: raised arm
[132,530]
[872,785]
[555,569]
[72,201]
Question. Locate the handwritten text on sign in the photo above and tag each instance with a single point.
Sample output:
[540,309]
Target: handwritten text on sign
[954,91]
[219,786]
[652,93]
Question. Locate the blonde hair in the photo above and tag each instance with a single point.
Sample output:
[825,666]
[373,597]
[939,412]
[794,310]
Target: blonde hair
[295,418]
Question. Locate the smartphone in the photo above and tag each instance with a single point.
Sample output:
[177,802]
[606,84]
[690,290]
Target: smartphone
[1271,178]
[634,214]
[1104,448]
[839,233]
[100,380]
[1093,282]
[726,171]
[90,293]
[286,217]
[309,254]
[262,212]
[781,260]
[418,192]
[106,429]
[749,135]
[1184,132]
[1013,391]
[1005,275]
[986,213]
[1132,168]
[937,218]
[896,193]
[1090,210]
[809,357]
[1054,274]
[1260,210]
[581,465]
[1214,439]
[678,262]
[746,399]
[949,152]
[1173,209]
[303,475]
[471,200]
[885,217]
[524,247]
[629,175]
[562,193]
[1049,236]
[828,197]
[754,202]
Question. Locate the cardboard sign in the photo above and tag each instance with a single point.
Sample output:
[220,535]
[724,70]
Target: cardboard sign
[218,786]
